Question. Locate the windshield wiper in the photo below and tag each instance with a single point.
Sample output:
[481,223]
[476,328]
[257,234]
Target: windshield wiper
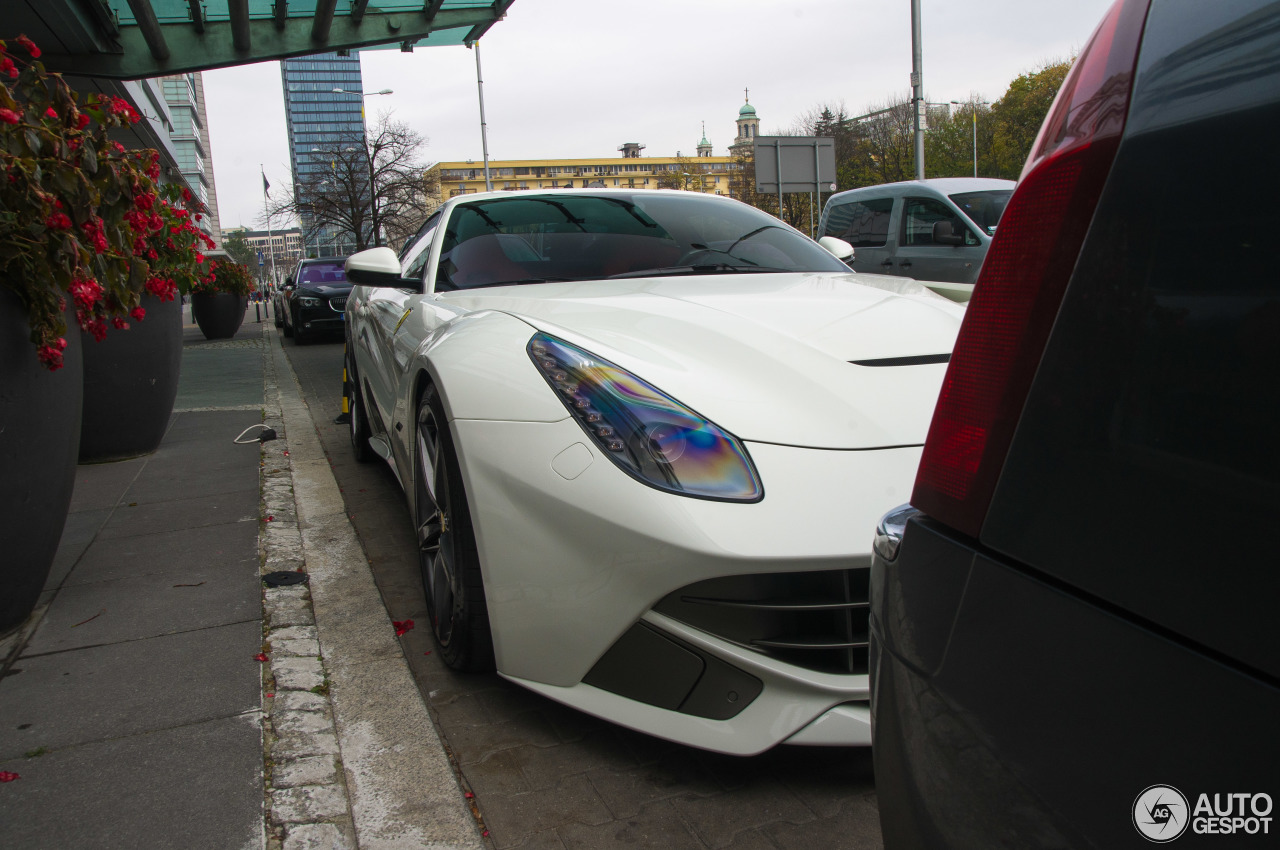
[708,268]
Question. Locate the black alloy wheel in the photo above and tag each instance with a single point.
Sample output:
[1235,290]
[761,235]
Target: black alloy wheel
[284,323]
[275,313]
[299,338]
[447,551]
[360,447]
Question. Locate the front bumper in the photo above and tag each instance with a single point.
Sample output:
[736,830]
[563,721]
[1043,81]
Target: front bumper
[575,553]
[320,320]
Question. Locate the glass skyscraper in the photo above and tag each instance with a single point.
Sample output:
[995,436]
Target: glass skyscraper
[318,118]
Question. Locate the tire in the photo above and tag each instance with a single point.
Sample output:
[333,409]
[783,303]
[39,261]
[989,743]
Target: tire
[299,337]
[360,448]
[447,552]
[275,313]
[288,328]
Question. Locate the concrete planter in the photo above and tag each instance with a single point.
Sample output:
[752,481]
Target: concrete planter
[39,438]
[219,314]
[130,383]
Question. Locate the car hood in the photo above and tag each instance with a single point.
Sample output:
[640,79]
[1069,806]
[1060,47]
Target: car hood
[324,290]
[768,357]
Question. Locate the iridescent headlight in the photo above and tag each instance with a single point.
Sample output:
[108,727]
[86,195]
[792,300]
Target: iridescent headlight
[649,434]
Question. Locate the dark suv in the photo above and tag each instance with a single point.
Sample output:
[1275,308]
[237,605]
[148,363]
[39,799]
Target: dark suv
[316,303]
[1074,629]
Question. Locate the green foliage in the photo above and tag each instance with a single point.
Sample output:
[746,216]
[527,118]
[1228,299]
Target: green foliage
[235,244]
[82,223]
[1020,113]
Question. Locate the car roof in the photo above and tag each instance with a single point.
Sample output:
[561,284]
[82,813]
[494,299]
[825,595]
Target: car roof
[941,185]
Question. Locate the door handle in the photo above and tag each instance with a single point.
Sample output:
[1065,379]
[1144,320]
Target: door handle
[888,263]
[905,264]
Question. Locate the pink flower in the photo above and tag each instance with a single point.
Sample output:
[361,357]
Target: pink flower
[50,113]
[82,121]
[138,313]
[97,329]
[58,221]
[86,292]
[119,323]
[9,68]
[8,116]
[29,46]
[51,356]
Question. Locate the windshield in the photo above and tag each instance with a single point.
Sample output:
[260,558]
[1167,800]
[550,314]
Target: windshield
[984,208]
[324,273]
[536,238]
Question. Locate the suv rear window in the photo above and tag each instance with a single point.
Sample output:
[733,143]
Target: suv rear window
[863,224]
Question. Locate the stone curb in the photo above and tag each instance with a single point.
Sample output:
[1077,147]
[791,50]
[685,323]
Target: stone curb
[351,755]
[307,806]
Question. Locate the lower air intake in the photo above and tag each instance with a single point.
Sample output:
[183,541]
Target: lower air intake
[814,620]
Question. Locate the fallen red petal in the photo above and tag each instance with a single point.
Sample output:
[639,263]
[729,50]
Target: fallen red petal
[270,696]
[261,656]
[469,795]
[428,652]
[402,626]
[270,518]
[6,776]
[485,833]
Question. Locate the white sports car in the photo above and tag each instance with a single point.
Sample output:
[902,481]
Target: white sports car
[642,435]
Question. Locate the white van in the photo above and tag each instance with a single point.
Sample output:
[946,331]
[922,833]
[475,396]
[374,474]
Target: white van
[931,230]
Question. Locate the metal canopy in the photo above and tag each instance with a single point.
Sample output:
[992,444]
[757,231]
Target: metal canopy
[132,39]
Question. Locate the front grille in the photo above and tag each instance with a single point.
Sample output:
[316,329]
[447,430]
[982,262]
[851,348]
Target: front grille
[815,620]
[338,304]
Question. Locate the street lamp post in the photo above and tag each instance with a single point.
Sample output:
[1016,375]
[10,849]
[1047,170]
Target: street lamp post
[974,106]
[368,155]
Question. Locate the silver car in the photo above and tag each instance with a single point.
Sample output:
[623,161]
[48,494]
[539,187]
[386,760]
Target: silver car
[930,230]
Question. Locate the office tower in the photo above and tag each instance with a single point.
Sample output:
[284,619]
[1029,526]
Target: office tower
[318,117]
[184,94]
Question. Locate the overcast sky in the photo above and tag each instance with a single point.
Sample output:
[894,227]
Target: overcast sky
[577,78]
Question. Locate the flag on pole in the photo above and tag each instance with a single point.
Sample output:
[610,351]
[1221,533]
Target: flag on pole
[266,187]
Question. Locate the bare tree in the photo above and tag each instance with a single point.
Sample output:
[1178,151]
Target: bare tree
[369,187]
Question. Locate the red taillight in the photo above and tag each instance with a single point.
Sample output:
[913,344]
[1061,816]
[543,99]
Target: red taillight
[1024,276]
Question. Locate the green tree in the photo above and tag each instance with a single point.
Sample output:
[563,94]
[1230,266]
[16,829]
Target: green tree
[235,244]
[949,144]
[1019,114]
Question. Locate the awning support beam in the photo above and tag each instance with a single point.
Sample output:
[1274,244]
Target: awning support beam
[239,12]
[323,20]
[149,26]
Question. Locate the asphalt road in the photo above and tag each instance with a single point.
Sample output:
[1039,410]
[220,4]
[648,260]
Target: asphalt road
[547,776]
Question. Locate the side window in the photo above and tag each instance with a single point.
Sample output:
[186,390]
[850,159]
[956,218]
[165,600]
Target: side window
[415,259]
[920,214]
[863,224]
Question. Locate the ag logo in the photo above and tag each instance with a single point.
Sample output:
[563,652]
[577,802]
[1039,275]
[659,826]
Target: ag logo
[1160,813]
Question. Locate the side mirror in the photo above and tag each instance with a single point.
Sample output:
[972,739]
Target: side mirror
[839,248]
[288,283]
[944,234]
[376,267]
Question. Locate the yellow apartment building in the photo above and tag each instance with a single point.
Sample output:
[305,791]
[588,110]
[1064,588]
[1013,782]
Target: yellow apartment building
[700,172]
